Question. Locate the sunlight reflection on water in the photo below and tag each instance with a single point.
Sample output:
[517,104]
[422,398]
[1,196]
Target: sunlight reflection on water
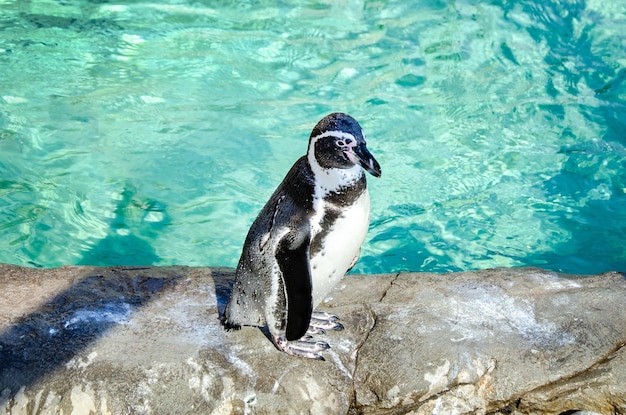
[153,133]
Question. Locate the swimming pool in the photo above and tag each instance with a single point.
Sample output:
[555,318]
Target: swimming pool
[151,133]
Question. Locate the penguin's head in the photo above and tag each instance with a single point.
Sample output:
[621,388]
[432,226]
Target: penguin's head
[337,141]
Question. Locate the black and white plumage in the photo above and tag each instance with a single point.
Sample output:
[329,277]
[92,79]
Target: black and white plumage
[306,237]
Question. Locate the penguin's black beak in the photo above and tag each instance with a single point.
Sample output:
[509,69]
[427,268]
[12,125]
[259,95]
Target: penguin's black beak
[366,160]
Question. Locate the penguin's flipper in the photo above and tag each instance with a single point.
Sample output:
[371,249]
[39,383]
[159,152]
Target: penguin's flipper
[293,259]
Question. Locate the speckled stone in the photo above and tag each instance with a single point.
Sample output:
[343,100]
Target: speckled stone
[80,340]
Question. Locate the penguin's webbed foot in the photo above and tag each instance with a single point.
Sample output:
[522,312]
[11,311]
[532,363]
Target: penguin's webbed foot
[322,321]
[306,346]
[301,348]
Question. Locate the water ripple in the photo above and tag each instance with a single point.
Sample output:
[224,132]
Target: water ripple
[152,133]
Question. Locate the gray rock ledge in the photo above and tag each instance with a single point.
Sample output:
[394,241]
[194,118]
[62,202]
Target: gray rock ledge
[81,340]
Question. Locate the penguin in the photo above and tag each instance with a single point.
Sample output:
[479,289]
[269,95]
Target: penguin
[304,240]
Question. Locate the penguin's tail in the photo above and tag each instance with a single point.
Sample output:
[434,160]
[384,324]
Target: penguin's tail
[229,325]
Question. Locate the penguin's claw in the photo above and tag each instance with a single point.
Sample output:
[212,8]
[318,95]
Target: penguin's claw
[324,321]
[301,348]
[312,330]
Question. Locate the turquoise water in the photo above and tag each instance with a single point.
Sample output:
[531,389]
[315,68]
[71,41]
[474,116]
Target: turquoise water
[142,133]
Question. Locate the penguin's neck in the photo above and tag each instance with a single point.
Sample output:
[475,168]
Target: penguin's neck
[327,181]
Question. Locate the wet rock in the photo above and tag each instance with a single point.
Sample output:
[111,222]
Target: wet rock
[79,340]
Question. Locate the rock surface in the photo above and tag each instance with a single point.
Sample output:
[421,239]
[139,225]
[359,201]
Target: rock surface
[81,340]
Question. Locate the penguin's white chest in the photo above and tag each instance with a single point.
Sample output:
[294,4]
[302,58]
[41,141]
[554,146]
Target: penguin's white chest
[340,244]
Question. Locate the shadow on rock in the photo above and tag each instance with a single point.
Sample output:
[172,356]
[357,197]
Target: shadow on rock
[47,339]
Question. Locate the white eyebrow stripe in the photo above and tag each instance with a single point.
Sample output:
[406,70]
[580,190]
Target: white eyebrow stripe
[339,134]
[334,133]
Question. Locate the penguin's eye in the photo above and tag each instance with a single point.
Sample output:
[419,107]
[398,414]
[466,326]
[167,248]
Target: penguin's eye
[343,143]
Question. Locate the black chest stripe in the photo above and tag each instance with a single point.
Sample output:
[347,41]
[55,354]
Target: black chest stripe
[335,203]
[328,220]
[346,196]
